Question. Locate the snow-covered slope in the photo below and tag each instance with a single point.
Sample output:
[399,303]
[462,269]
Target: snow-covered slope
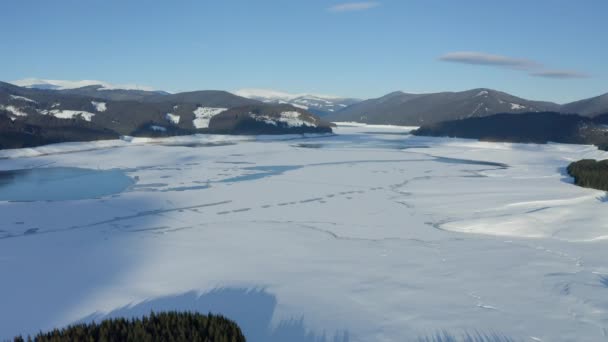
[13,110]
[68,114]
[203,115]
[99,106]
[369,235]
[172,118]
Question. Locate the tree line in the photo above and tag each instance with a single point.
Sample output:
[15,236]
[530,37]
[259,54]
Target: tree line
[167,326]
[590,173]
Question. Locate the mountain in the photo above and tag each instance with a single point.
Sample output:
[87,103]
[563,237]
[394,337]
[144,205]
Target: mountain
[589,107]
[401,108]
[264,119]
[32,116]
[92,88]
[47,130]
[37,83]
[205,98]
[535,127]
[98,91]
[211,98]
[322,105]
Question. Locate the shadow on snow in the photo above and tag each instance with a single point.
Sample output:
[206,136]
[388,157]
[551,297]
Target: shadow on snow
[252,309]
[476,336]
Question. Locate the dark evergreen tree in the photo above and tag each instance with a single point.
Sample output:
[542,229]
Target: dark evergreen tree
[167,326]
[590,173]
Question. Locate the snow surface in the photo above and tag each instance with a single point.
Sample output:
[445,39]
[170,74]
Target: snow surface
[68,114]
[299,106]
[517,106]
[172,118]
[359,124]
[22,98]
[481,93]
[203,115]
[158,128]
[368,235]
[13,110]
[99,106]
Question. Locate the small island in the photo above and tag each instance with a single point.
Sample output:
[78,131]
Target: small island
[590,173]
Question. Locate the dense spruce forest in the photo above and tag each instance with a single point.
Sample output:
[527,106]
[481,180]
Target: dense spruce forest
[168,326]
[540,128]
[590,173]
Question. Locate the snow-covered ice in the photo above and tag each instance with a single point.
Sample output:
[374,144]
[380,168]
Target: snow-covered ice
[369,235]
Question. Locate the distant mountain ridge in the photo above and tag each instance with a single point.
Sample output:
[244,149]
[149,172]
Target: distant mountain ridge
[38,83]
[31,116]
[588,107]
[535,127]
[322,105]
[399,108]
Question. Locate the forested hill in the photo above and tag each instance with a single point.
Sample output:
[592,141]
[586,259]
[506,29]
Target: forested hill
[541,127]
[590,173]
[169,326]
[32,117]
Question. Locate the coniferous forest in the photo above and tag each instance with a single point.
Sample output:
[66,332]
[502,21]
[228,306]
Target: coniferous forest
[590,173]
[168,326]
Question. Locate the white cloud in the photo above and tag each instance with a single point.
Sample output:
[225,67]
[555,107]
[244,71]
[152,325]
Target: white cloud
[353,6]
[482,58]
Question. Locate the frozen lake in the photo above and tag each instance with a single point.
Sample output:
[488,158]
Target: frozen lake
[60,184]
[368,235]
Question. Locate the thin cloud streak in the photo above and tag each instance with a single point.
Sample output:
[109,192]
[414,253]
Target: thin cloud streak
[353,6]
[534,69]
[560,74]
[482,58]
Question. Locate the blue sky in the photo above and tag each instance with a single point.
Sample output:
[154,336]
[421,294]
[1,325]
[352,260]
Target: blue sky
[544,49]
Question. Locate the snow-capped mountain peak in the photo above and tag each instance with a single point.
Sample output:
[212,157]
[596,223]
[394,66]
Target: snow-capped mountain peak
[67,84]
[269,94]
[265,94]
[316,103]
